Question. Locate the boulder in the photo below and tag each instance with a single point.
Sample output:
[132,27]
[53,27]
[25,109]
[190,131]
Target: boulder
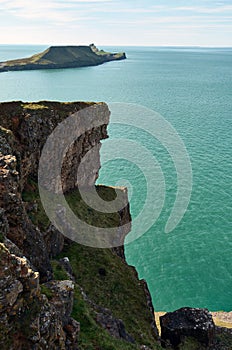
[187,322]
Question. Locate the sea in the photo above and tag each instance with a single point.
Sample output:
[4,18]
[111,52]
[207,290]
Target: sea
[191,88]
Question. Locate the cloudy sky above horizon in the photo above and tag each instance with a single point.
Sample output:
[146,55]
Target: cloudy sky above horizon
[117,22]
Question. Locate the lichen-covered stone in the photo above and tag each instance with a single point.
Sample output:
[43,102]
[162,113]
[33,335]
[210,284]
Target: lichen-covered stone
[187,322]
[28,318]
[21,230]
[114,326]
[62,297]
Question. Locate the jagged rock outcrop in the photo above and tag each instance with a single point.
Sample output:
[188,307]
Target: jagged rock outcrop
[114,326]
[187,322]
[21,231]
[4,227]
[25,128]
[28,318]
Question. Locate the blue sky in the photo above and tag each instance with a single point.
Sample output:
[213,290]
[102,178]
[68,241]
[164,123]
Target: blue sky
[117,22]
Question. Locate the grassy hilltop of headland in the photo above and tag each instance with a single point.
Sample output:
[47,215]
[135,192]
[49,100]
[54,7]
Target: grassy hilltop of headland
[62,57]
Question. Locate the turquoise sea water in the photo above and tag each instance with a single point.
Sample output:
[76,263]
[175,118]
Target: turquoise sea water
[192,89]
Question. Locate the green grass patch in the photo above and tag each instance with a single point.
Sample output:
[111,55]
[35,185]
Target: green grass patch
[118,289]
[59,272]
[89,215]
[76,203]
[47,291]
[92,336]
[223,340]
[190,343]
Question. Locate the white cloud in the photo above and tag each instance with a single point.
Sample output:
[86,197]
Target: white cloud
[111,21]
[61,11]
[122,10]
[206,10]
[182,21]
[53,10]
[83,1]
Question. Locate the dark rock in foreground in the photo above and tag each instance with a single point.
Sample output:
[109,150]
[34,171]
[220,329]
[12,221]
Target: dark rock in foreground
[187,322]
[56,57]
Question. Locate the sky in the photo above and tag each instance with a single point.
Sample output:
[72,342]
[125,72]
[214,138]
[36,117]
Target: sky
[117,22]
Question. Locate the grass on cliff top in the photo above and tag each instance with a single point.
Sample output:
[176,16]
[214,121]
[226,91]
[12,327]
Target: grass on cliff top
[66,54]
[58,55]
[76,203]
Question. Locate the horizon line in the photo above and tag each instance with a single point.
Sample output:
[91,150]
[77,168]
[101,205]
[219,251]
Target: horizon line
[114,45]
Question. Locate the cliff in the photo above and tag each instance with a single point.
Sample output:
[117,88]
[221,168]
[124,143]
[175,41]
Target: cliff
[58,294]
[62,57]
[55,293]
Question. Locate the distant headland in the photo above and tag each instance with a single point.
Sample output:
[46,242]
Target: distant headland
[62,57]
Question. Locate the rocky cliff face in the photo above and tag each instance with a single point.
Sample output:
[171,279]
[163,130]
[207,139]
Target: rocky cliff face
[24,131]
[42,301]
[28,318]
